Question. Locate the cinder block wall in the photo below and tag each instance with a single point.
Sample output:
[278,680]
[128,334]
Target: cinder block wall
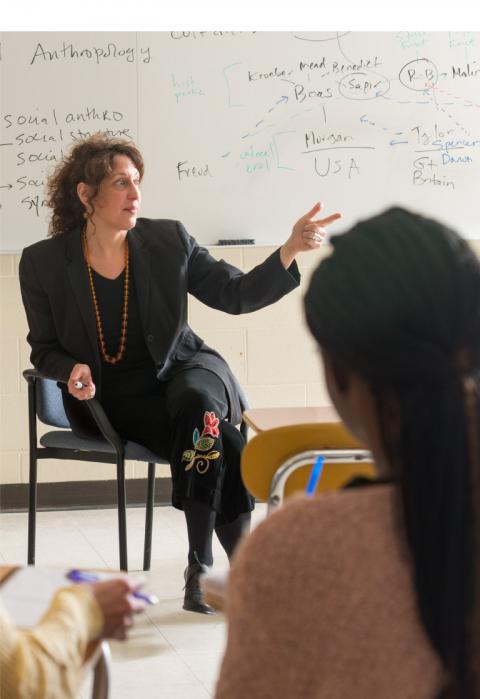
[270,352]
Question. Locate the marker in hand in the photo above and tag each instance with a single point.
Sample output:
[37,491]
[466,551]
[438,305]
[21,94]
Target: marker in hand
[80,576]
[78,385]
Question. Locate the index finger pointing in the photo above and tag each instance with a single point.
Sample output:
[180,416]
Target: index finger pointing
[328,219]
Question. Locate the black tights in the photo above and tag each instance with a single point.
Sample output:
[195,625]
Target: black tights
[168,420]
[202,522]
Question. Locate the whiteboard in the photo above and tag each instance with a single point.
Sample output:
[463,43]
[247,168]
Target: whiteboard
[242,132]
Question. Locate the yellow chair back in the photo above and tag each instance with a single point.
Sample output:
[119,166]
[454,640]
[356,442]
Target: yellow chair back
[265,453]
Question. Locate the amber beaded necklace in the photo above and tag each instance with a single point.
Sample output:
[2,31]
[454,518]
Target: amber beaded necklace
[123,335]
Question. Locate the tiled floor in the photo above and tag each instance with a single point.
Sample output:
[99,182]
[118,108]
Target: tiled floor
[170,654]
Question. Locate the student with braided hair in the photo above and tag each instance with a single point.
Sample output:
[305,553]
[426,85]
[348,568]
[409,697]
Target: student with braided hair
[374,591]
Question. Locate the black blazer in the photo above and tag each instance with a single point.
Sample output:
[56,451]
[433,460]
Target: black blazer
[167,264]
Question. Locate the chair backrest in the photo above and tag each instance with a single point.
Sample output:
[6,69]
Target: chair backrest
[265,453]
[244,404]
[50,408]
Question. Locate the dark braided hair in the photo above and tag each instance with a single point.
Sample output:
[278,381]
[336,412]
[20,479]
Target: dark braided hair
[398,302]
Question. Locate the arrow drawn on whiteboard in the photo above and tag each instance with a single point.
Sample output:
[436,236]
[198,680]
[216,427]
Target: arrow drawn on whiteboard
[431,94]
[283,100]
[450,116]
[394,141]
[6,186]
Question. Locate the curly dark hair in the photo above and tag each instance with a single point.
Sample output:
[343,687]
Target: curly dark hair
[89,161]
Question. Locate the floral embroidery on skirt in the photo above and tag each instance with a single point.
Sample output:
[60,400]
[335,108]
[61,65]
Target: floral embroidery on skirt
[203,443]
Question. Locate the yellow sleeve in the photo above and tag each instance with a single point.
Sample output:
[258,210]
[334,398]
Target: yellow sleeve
[46,661]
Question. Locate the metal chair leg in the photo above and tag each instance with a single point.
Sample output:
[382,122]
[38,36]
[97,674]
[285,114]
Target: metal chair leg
[101,674]
[122,513]
[32,479]
[147,552]
[32,508]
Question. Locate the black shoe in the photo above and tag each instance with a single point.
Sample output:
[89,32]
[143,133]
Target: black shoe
[193,600]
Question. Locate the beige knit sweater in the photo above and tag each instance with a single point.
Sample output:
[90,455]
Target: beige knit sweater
[46,661]
[321,604]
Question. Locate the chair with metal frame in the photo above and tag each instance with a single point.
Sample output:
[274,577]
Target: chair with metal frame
[277,462]
[102,673]
[45,403]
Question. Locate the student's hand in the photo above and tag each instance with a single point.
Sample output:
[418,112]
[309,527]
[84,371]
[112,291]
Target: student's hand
[114,597]
[82,373]
[307,234]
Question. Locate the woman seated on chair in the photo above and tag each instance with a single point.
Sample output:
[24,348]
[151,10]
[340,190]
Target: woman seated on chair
[106,304]
[47,660]
[374,591]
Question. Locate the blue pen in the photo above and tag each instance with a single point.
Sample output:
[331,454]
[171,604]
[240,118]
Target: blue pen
[80,576]
[315,474]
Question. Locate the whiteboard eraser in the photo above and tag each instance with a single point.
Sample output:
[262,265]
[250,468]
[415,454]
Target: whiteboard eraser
[236,241]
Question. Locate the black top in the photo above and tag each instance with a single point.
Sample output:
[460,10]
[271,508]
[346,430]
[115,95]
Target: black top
[168,264]
[135,372]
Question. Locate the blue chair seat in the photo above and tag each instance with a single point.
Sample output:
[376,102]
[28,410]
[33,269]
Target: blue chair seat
[65,439]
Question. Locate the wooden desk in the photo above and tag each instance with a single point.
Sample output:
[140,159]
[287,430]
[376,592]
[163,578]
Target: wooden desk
[262,419]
